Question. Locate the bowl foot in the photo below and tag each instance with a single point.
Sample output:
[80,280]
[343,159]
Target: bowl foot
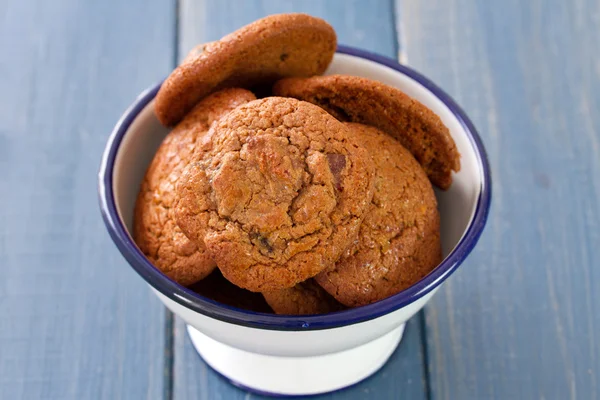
[292,376]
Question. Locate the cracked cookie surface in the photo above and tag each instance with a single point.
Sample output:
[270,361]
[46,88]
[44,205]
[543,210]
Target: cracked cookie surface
[366,101]
[399,239]
[155,231]
[278,194]
[271,48]
[306,298]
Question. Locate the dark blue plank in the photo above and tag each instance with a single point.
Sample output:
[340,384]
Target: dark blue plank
[521,318]
[75,321]
[368,25]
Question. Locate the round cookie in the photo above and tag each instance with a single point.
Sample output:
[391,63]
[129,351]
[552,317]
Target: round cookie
[355,99]
[399,239]
[155,231]
[306,298]
[274,47]
[278,194]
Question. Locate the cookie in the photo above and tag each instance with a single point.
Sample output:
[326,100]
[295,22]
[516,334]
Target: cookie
[155,231]
[355,99]
[278,194]
[306,298]
[274,47]
[399,239]
[217,288]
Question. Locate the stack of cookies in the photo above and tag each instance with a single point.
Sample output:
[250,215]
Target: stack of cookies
[314,198]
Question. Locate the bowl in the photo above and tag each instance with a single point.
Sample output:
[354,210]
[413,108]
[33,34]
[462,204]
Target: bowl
[300,355]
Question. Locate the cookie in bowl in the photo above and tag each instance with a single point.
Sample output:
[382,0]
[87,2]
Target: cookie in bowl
[306,298]
[268,49]
[277,194]
[367,101]
[155,231]
[399,239]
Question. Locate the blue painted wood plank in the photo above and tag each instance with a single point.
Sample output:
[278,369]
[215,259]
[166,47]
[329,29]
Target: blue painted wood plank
[75,321]
[368,25]
[521,318]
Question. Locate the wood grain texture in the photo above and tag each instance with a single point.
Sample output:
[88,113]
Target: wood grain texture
[520,319]
[75,320]
[359,23]
[368,25]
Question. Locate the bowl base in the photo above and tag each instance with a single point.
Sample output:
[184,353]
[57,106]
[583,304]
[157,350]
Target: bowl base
[293,376]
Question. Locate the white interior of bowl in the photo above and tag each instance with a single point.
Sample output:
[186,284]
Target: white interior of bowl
[457,205]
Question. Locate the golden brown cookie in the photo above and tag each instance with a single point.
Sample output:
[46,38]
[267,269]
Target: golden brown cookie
[277,46]
[355,99]
[155,231]
[278,195]
[399,239]
[306,298]
[217,288]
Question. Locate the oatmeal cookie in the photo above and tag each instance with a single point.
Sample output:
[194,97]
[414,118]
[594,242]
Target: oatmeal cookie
[399,239]
[155,231]
[355,99]
[273,47]
[278,194]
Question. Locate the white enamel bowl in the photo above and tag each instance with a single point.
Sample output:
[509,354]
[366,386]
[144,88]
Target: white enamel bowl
[293,355]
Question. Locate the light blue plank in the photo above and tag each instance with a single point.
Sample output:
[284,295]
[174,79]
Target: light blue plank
[368,25]
[359,23]
[521,319]
[75,321]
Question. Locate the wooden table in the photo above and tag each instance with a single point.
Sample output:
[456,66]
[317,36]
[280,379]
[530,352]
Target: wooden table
[519,320]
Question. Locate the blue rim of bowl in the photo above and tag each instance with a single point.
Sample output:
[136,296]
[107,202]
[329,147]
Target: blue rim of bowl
[213,309]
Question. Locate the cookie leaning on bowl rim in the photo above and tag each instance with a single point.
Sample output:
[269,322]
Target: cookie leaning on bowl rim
[155,231]
[268,49]
[277,194]
[369,102]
